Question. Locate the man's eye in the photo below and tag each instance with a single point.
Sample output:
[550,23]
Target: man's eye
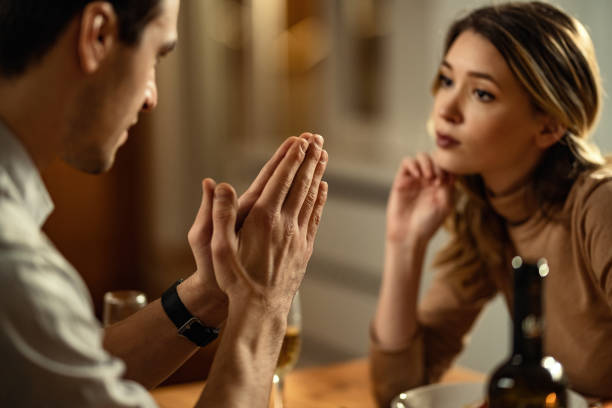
[445,81]
[484,96]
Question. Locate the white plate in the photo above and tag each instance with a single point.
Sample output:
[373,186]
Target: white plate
[456,396]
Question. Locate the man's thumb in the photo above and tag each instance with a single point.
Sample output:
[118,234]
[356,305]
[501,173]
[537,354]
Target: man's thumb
[225,208]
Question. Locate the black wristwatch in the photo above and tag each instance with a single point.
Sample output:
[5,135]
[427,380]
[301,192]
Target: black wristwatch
[187,324]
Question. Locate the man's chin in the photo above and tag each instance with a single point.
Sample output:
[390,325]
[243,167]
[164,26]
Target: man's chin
[97,168]
[123,138]
[97,165]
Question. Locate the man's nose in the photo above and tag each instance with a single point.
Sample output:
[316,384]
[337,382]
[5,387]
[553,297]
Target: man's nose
[150,100]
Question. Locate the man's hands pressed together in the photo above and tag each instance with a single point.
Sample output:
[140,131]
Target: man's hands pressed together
[254,251]
[266,260]
[208,300]
[280,178]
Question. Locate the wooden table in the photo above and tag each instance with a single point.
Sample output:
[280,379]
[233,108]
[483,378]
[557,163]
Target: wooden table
[332,386]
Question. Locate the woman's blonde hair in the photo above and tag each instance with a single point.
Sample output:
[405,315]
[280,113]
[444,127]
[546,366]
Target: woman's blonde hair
[551,54]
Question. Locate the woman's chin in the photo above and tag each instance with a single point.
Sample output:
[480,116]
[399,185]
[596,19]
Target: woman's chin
[450,163]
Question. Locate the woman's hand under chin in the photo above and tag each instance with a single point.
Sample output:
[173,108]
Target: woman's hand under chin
[421,198]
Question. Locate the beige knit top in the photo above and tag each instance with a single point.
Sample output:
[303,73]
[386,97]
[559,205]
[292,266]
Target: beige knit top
[577,295]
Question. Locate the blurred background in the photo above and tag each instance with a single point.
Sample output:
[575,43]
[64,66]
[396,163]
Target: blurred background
[247,74]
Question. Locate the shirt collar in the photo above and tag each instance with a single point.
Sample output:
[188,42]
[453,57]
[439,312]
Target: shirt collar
[31,191]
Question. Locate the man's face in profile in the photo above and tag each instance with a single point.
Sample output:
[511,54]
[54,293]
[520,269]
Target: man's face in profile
[124,85]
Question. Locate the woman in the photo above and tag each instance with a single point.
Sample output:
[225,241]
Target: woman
[517,95]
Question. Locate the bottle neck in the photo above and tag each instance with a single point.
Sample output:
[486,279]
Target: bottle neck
[528,316]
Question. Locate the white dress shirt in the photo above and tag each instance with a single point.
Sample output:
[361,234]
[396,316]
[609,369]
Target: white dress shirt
[51,350]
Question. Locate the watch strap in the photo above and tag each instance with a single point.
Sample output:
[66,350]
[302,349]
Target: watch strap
[187,324]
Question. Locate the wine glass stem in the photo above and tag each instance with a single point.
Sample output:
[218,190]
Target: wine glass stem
[279,391]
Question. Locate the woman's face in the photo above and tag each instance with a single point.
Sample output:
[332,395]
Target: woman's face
[483,119]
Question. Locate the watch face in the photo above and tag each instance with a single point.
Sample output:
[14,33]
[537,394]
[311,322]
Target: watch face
[189,324]
[200,335]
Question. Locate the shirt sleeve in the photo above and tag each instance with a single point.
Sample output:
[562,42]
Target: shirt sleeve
[51,342]
[595,230]
[446,314]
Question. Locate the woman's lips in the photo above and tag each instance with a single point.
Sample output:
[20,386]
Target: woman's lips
[445,141]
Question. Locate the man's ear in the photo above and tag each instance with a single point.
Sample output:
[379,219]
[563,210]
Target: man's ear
[551,131]
[98,34]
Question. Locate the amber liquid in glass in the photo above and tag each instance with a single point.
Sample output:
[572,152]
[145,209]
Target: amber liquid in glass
[290,350]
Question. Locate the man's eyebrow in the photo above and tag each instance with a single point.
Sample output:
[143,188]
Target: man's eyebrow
[475,74]
[166,48]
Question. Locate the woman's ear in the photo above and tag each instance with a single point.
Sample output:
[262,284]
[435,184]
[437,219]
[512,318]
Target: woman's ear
[551,131]
[98,35]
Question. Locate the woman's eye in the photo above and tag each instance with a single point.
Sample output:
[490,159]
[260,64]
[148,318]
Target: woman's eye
[484,96]
[445,81]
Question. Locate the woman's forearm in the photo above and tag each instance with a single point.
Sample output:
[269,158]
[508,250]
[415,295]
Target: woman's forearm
[395,322]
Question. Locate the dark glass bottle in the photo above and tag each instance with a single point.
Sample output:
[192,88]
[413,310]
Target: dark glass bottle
[528,379]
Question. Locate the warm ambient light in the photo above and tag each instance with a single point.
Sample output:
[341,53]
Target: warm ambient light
[554,367]
[543,267]
[551,400]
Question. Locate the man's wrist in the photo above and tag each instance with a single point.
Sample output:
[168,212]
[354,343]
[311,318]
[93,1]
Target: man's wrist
[188,325]
[208,305]
[256,316]
[249,299]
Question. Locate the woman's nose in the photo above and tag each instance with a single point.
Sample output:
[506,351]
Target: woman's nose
[449,109]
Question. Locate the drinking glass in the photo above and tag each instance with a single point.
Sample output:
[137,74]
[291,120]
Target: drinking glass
[119,304]
[289,354]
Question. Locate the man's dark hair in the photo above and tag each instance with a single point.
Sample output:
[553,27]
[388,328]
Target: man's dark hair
[29,28]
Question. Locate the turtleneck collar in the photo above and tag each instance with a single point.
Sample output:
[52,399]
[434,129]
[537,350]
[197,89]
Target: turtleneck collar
[516,206]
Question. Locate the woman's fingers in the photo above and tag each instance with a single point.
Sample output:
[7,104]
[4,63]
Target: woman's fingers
[412,168]
[426,165]
[449,178]
[424,168]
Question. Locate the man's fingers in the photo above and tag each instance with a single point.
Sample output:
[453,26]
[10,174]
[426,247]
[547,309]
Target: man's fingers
[201,232]
[275,191]
[311,198]
[315,217]
[304,179]
[224,213]
[246,201]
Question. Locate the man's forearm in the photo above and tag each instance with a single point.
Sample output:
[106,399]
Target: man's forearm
[149,345]
[242,372]
[148,342]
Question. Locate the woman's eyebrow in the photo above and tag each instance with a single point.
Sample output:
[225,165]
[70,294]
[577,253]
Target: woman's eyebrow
[475,74]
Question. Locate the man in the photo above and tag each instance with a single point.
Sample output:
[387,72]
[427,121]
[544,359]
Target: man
[74,76]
